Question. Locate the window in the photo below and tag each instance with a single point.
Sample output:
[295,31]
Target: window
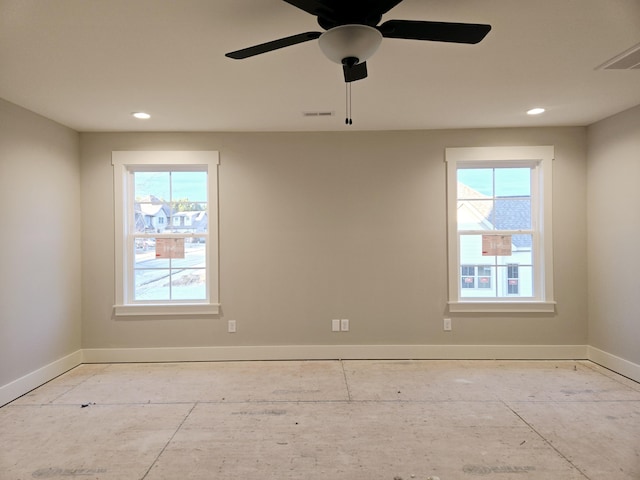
[499,234]
[475,276]
[512,279]
[162,269]
[468,276]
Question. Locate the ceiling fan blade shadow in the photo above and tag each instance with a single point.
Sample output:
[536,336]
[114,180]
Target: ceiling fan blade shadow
[273,45]
[471,33]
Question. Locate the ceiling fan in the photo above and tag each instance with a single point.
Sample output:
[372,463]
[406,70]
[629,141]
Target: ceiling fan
[352,33]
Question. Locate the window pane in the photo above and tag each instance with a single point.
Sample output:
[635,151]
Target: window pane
[189,284]
[189,186]
[512,214]
[526,281]
[475,215]
[151,184]
[195,254]
[522,242]
[513,182]
[146,258]
[477,181]
[152,285]
[471,250]
[171,278]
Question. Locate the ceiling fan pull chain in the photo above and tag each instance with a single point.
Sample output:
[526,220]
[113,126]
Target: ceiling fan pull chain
[348,120]
[346,103]
[350,109]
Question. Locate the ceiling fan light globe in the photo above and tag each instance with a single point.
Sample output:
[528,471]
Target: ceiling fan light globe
[345,41]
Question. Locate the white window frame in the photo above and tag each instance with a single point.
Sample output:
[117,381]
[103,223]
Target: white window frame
[540,160]
[126,162]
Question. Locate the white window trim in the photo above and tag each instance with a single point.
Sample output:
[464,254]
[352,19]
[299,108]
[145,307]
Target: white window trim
[122,161]
[543,281]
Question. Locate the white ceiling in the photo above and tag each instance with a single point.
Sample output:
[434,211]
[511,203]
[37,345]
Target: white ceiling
[89,63]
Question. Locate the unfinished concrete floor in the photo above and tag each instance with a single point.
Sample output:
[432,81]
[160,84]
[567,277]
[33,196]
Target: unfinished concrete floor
[356,420]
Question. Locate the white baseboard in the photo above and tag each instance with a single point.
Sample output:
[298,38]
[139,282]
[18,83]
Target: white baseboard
[19,387]
[330,352]
[28,382]
[612,362]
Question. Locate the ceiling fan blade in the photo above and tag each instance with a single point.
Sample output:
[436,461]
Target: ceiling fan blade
[354,72]
[318,8]
[273,45]
[435,31]
[383,6]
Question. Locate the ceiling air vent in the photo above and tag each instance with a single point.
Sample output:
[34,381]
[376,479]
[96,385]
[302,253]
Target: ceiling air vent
[317,114]
[627,60]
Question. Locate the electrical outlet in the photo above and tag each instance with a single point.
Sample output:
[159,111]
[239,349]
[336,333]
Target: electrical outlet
[447,325]
[344,325]
[335,325]
[231,326]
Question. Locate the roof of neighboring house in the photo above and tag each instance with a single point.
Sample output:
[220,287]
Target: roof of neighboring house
[504,213]
[150,209]
[513,213]
[195,215]
[480,203]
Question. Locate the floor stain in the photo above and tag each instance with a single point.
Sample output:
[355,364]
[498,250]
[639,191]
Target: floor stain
[67,472]
[261,412]
[485,470]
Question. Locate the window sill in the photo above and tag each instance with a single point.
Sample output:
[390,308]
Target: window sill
[502,307]
[191,309]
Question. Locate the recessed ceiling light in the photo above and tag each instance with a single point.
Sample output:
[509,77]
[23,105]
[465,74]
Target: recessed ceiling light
[141,115]
[535,111]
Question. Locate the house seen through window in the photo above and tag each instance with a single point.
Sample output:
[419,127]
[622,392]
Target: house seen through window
[170,250]
[494,218]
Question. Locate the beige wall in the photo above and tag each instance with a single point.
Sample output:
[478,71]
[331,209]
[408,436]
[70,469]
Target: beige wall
[40,242]
[614,234]
[315,226]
